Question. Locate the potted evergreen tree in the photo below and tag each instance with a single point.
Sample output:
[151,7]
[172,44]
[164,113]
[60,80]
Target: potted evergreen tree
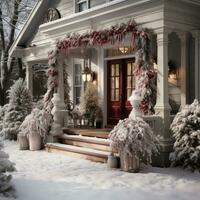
[36,127]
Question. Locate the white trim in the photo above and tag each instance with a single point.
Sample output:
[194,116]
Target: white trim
[120,57]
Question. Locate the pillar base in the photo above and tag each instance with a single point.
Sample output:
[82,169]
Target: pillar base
[162,159]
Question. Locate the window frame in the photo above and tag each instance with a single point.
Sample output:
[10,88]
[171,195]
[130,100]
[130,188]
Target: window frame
[75,86]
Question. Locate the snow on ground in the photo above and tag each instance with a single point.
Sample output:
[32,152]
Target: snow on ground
[48,176]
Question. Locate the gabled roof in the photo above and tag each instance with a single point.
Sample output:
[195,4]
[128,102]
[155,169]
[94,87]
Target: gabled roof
[31,25]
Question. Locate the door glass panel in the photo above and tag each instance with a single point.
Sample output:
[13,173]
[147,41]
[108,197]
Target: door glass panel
[117,95]
[113,82]
[129,82]
[116,82]
[129,69]
[112,95]
[133,82]
[112,70]
[129,91]
[117,70]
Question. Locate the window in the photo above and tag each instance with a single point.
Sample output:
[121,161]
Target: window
[77,82]
[81,5]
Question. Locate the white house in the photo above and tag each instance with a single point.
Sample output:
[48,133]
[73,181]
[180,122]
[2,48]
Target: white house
[175,44]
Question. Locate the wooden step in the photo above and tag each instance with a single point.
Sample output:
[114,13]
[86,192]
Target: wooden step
[99,133]
[81,152]
[85,141]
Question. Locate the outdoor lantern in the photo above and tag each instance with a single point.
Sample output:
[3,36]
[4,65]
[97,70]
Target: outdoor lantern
[123,49]
[87,74]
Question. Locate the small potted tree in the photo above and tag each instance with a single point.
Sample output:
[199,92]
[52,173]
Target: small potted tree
[36,127]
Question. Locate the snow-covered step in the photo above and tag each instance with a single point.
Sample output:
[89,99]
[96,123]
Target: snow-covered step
[99,133]
[85,141]
[81,152]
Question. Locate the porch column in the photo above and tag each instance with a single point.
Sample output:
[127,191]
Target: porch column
[29,77]
[162,106]
[183,39]
[196,35]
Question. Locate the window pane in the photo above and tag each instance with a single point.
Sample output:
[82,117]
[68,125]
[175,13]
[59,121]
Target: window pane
[116,94]
[78,80]
[117,70]
[133,68]
[113,82]
[129,85]
[112,95]
[78,92]
[129,66]
[112,70]
[133,82]
[116,82]
[129,91]
[82,6]
[78,69]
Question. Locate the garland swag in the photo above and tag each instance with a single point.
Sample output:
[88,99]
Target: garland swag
[116,34]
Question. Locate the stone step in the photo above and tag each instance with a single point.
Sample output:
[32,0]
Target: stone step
[85,141]
[99,133]
[80,152]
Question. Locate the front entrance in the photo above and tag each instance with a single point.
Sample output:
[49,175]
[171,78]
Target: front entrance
[121,83]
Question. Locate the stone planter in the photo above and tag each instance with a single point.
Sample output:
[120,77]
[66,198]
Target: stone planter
[23,142]
[35,142]
[129,163]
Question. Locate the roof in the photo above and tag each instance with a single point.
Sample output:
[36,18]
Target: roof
[31,25]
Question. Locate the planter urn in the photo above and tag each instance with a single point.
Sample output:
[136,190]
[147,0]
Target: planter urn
[35,142]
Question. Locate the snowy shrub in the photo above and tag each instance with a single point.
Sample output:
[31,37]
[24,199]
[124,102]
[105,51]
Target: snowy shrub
[38,122]
[3,110]
[186,131]
[135,137]
[89,101]
[6,189]
[20,105]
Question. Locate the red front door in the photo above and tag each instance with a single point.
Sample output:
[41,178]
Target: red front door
[121,82]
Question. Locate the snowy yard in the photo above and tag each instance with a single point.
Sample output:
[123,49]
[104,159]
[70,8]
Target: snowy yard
[47,176]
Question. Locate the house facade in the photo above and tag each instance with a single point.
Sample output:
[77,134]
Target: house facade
[174,29]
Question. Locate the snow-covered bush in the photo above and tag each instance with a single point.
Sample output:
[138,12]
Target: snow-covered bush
[186,131]
[20,105]
[135,137]
[38,122]
[89,101]
[3,110]
[6,188]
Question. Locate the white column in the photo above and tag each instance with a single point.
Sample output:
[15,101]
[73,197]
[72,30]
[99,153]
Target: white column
[183,39]
[196,35]
[29,77]
[162,106]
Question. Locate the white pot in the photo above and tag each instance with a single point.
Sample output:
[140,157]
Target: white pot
[35,142]
[129,163]
[23,142]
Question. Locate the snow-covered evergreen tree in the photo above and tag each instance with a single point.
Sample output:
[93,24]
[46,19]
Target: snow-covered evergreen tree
[20,105]
[186,131]
[3,110]
[89,101]
[6,188]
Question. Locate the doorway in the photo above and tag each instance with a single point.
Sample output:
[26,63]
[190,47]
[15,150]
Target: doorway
[120,84]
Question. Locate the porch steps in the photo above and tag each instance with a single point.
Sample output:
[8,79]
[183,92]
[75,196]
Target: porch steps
[99,133]
[85,141]
[90,144]
[80,152]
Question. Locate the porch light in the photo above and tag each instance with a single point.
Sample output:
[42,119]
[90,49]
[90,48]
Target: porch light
[87,74]
[123,49]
